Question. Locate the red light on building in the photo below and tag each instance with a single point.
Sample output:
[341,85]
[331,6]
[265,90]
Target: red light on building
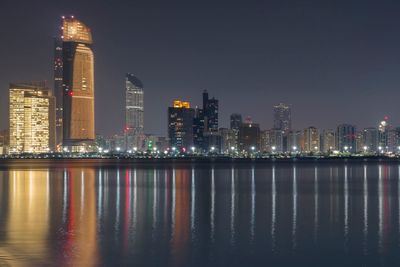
[70,93]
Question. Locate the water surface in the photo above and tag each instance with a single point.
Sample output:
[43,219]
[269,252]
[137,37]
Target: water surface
[284,214]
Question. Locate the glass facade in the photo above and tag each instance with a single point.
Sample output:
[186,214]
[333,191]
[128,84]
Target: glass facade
[134,112]
[78,85]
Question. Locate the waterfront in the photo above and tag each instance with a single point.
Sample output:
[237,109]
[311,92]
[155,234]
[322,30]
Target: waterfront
[336,213]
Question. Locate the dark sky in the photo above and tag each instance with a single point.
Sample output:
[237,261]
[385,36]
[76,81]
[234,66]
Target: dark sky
[334,61]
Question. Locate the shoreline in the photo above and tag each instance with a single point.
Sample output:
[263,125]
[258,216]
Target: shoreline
[6,163]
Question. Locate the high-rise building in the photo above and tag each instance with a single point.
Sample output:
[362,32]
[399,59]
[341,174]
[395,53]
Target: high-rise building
[282,117]
[383,130]
[210,109]
[180,125]
[78,86]
[311,141]
[294,141]
[359,142]
[328,140]
[228,139]
[277,141]
[346,138]
[32,118]
[235,121]
[265,141]
[393,140]
[198,129]
[249,136]
[58,88]
[370,139]
[134,111]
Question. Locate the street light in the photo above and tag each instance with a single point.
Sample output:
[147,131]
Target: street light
[193,149]
[118,148]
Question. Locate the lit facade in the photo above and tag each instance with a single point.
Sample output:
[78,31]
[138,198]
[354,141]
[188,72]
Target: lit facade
[78,86]
[180,125]
[32,118]
[328,140]
[134,112]
[58,88]
[311,140]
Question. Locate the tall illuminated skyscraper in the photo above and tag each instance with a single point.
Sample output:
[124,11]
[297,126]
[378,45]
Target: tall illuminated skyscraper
[78,86]
[32,118]
[134,111]
[58,88]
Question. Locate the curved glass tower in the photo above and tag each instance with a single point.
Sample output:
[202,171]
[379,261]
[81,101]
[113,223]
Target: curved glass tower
[78,86]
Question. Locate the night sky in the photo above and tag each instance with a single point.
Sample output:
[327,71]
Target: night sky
[333,61]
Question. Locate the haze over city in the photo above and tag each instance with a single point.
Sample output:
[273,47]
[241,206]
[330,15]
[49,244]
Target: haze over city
[333,62]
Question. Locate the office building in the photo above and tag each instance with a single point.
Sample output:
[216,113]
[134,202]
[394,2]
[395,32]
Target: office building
[328,141]
[210,109]
[249,136]
[134,112]
[370,139]
[346,138]
[180,125]
[282,117]
[78,86]
[58,89]
[311,140]
[32,118]
[198,129]
[228,138]
[294,141]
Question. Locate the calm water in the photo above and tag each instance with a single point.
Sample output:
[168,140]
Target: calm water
[331,214]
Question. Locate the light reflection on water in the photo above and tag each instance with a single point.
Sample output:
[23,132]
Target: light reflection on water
[305,214]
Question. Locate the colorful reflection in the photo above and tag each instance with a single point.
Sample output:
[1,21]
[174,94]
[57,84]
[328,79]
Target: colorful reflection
[198,216]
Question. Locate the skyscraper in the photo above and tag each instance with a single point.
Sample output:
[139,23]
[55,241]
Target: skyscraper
[383,131]
[180,125]
[32,118]
[346,138]
[370,139]
[78,86]
[198,128]
[282,117]
[249,136]
[311,141]
[235,121]
[134,111]
[328,140]
[58,88]
[210,109]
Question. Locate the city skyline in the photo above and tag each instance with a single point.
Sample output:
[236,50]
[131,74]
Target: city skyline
[337,74]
